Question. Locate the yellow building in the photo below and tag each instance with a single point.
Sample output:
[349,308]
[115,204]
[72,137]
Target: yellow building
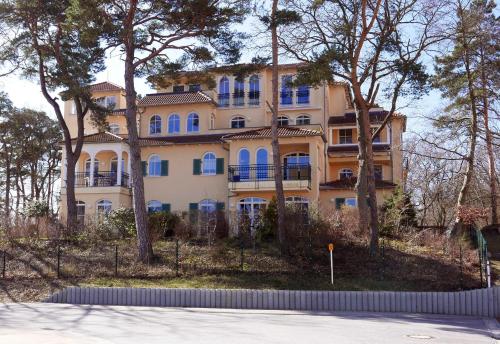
[211,148]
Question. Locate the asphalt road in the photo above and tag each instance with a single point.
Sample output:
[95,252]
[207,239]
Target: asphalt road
[58,323]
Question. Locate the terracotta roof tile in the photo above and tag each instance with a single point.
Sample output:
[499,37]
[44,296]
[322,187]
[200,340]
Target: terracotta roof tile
[181,139]
[350,183]
[104,137]
[156,99]
[266,133]
[105,86]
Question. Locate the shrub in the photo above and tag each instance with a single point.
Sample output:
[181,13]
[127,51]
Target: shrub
[163,224]
[122,222]
[267,228]
[397,212]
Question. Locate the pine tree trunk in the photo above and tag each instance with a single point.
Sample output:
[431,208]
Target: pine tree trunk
[71,220]
[278,175]
[492,174]
[143,237]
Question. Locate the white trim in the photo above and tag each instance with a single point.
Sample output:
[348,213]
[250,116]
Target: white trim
[267,154]
[203,163]
[148,174]
[149,124]
[249,155]
[237,116]
[168,123]
[187,122]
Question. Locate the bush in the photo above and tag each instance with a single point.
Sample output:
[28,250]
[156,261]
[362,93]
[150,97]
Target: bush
[267,228]
[163,224]
[122,222]
[397,213]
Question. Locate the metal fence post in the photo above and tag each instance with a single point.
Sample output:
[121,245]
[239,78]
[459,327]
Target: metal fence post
[177,257]
[116,260]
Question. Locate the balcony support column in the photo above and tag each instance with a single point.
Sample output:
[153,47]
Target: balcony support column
[119,167]
[92,169]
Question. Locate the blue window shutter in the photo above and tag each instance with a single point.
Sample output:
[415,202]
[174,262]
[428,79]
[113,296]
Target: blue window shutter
[219,167]
[193,212]
[165,207]
[339,202]
[144,165]
[193,206]
[196,166]
[164,168]
[220,206]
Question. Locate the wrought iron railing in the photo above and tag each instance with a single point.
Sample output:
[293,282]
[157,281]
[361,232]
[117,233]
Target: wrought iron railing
[223,99]
[256,173]
[253,98]
[101,178]
[239,98]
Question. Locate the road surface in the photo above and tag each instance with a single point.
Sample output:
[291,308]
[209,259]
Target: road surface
[59,323]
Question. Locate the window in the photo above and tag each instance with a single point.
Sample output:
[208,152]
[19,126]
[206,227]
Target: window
[207,206]
[212,121]
[303,120]
[254,90]
[341,202]
[114,128]
[80,211]
[346,173]
[244,164]
[282,121]
[154,206]
[345,136]
[286,90]
[239,92]
[350,202]
[193,123]
[87,166]
[262,166]
[377,172]
[194,88]
[224,92]
[296,166]
[155,125]
[251,207]
[238,122]
[303,94]
[108,102]
[104,207]
[178,88]
[298,202]
[154,166]
[209,164]
[174,124]
[376,139]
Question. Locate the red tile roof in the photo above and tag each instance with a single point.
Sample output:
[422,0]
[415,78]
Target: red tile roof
[103,137]
[350,183]
[181,139]
[266,133]
[157,99]
[105,86]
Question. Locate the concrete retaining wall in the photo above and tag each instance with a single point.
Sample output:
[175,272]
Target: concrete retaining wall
[480,302]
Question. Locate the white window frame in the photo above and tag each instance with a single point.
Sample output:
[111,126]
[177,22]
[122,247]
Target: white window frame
[344,170]
[300,118]
[114,128]
[281,118]
[350,202]
[207,206]
[193,114]
[160,120]
[108,207]
[237,118]
[154,206]
[209,172]
[170,117]
[156,169]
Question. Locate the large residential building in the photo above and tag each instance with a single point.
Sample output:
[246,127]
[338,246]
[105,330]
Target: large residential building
[210,149]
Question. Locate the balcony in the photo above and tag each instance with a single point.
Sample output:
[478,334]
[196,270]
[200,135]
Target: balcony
[101,179]
[261,177]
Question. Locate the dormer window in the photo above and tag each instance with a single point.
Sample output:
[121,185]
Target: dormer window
[178,88]
[238,122]
[194,88]
[345,136]
[346,173]
[282,121]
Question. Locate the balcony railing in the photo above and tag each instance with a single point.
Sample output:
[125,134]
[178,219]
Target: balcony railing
[255,173]
[101,179]
[253,98]
[223,99]
[239,98]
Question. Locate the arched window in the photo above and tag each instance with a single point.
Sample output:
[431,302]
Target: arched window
[224,92]
[174,124]
[239,92]
[244,163]
[346,173]
[155,125]
[286,90]
[254,90]
[193,123]
[207,206]
[114,128]
[238,122]
[154,166]
[303,94]
[298,201]
[282,121]
[303,120]
[154,206]
[209,165]
[104,207]
[80,211]
[261,159]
